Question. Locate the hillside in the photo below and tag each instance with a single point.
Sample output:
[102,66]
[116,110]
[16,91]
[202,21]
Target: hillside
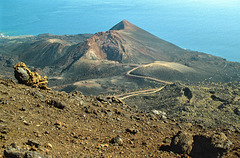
[128,45]
[68,59]
[210,104]
[42,50]
[42,123]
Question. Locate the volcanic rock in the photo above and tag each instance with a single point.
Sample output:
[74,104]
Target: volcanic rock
[16,152]
[221,144]
[188,93]
[132,130]
[182,143]
[237,111]
[21,75]
[117,140]
[56,103]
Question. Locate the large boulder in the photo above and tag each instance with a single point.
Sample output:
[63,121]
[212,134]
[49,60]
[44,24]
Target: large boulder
[33,79]
[21,75]
[14,151]
[200,146]
[182,143]
[187,93]
[215,146]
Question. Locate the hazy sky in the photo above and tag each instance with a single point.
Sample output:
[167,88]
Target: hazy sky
[223,3]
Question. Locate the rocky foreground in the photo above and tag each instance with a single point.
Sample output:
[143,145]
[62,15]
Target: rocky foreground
[40,123]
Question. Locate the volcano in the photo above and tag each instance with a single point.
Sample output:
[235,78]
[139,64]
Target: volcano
[127,43]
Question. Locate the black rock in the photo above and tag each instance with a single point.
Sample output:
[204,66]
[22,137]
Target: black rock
[132,130]
[33,143]
[117,140]
[188,93]
[12,152]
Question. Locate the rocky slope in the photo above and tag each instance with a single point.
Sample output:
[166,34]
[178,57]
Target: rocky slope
[209,104]
[41,123]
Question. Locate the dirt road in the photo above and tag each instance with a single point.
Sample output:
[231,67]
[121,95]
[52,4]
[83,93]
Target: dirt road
[148,91]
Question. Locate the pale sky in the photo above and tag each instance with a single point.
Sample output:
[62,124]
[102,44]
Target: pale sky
[222,3]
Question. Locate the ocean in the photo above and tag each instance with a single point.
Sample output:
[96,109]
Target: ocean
[209,26]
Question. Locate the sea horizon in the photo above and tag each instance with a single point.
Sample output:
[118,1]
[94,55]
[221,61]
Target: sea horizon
[204,26]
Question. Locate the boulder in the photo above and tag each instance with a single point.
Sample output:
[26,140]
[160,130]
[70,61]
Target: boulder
[21,75]
[215,146]
[221,144]
[12,152]
[182,143]
[117,140]
[187,93]
[15,152]
[33,79]
[56,103]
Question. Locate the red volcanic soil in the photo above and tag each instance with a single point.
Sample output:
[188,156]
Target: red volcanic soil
[59,124]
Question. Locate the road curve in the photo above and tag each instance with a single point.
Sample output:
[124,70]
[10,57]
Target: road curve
[145,77]
[148,91]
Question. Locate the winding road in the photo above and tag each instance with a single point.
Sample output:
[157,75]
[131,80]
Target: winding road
[145,77]
[148,91]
